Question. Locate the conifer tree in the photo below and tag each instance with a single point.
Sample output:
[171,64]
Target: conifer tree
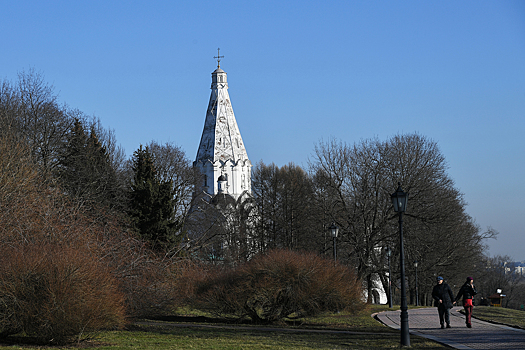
[151,203]
[85,169]
[71,164]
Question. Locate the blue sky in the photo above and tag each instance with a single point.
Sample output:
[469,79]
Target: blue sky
[299,72]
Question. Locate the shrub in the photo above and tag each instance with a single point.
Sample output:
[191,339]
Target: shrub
[55,293]
[149,288]
[277,285]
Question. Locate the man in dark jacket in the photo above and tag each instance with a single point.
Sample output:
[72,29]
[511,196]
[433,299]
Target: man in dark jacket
[467,292]
[443,297]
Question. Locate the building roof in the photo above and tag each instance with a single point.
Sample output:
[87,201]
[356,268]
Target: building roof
[221,139]
[497,295]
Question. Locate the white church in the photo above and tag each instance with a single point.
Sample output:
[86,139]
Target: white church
[221,157]
[222,215]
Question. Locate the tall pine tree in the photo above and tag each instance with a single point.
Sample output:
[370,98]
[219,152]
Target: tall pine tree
[85,169]
[151,203]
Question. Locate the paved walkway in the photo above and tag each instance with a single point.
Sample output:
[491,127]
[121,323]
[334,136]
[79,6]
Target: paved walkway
[482,335]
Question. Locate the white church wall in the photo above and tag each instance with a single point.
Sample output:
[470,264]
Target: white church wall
[221,150]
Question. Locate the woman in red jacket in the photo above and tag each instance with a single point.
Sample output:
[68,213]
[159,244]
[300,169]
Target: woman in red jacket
[467,292]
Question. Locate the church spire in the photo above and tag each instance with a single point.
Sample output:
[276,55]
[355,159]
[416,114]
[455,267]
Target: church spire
[221,149]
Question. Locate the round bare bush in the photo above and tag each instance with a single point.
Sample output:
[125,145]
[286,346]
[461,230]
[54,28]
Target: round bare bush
[56,293]
[280,284]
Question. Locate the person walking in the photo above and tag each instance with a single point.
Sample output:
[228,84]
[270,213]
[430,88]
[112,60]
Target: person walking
[443,297]
[467,292]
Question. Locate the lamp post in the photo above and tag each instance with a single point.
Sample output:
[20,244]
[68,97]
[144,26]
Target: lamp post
[388,254]
[417,295]
[399,200]
[334,230]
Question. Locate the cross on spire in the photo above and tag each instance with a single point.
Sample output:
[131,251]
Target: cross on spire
[218,57]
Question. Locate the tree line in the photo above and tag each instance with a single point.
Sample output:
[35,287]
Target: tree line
[64,180]
[348,185]
[74,153]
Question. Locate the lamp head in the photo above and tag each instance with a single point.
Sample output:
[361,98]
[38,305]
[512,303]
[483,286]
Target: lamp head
[334,230]
[399,199]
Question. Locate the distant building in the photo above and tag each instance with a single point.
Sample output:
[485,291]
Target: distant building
[222,216]
[517,267]
[221,158]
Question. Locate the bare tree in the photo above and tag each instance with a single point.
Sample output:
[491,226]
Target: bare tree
[9,109]
[41,120]
[285,202]
[265,189]
[360,179]
[357,183]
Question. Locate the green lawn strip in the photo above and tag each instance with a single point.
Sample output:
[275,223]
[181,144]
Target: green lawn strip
[329,331]
[166,337]
[360,322]
[509,317]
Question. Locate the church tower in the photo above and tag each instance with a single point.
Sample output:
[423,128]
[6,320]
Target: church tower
[221,158]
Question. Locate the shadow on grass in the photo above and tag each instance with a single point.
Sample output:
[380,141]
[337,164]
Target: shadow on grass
[200,319]
[242,337]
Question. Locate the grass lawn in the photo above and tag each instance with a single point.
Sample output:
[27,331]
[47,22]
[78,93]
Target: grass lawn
[333,331]
[509,317]
[330,331]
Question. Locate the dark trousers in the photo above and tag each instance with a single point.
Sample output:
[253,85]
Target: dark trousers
[468,314]
[444,313]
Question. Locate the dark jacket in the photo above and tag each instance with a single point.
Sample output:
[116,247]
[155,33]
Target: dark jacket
[442,292]
[466,292]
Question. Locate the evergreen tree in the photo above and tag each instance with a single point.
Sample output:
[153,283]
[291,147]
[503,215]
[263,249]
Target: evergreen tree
[152,203]
[85,170]
[71,163]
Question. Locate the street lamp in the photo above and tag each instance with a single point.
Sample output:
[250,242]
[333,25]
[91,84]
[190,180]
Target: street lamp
[334,230]
[399,200]
[388,254]
[417,296]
